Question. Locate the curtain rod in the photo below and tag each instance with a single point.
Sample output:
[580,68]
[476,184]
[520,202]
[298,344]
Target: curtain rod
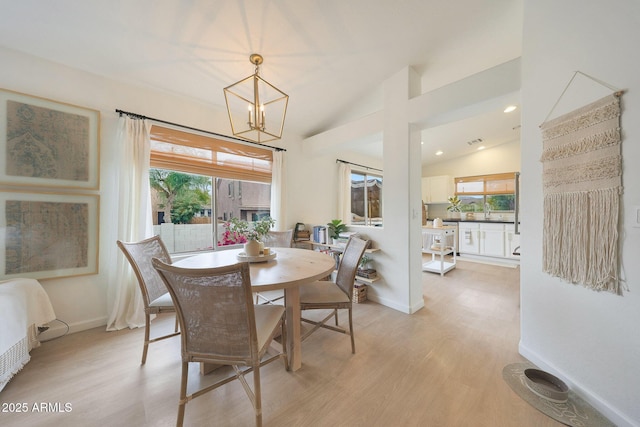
[355,164]
[140,116]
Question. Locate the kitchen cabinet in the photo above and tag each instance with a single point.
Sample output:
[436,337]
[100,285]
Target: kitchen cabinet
[488,239]
[469,238]
[437,189]
[511,241]
[492,240]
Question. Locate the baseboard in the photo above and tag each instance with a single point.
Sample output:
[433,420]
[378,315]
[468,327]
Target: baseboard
[392,304]
[58,329]
[500,262]
[593,399]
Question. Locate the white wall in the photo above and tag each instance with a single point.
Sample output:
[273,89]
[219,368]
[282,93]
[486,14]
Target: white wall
[82,301]
[499,159]
[588,338]
[405,112]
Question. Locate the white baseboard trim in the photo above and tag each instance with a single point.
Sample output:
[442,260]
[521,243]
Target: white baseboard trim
[593,399]
[500,262]
[394,305]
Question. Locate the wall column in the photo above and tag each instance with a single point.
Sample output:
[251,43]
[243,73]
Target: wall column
[401,198]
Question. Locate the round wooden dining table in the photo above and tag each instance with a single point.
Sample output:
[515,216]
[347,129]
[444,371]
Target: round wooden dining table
[290,268]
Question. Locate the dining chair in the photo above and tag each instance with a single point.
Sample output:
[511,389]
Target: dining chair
[279,239]
[155,296]
[221,325]
[275,239]
[324,294]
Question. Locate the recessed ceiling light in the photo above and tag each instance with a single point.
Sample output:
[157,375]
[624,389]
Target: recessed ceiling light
[439,153]
[510,108]
[481,147]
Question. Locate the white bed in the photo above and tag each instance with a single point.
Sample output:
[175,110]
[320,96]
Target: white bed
[24,305]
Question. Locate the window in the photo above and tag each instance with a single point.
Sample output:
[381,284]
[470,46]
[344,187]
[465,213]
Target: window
[195,179]
[366,199]
[254,204]
[487,192]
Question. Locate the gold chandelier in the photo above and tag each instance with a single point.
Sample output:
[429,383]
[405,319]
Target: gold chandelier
[256,108]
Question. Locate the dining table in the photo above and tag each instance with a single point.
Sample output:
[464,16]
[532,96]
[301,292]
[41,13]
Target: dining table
[285,269]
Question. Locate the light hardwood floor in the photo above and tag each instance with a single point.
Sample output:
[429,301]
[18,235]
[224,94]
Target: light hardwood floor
[439,367]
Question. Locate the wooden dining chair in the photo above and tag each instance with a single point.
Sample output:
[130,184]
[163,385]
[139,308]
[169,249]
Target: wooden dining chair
[155,296]
[221,325]
[324,294]
[275,239]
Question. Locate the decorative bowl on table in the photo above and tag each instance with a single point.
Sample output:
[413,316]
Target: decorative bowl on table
[259,258]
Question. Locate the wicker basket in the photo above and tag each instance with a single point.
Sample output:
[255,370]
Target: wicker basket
[359,293]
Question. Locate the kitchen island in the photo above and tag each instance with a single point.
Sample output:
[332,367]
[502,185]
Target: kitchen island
[439,241]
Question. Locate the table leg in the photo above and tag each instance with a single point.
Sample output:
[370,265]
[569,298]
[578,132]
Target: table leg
[294,346]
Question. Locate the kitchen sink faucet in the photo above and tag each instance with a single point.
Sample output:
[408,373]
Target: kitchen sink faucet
[487,210]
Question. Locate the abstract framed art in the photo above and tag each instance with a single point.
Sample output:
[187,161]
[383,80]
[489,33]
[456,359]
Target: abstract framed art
[48,235]
[44,143]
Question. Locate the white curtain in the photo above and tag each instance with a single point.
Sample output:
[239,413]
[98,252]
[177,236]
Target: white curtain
[344,193]
[134,220]
[278,190]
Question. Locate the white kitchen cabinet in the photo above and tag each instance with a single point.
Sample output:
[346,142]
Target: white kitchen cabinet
[469,238]
[437,189]
[511,241]
[492,240]
[486,239]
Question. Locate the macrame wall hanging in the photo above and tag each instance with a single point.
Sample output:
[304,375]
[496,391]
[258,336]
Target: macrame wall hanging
[582,184]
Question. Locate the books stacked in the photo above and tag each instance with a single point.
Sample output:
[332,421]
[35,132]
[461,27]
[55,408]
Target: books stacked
[320,234]
[303,235]
[367,273]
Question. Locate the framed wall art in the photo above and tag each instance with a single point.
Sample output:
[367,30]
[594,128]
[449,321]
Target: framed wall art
[48,235]
[44,143]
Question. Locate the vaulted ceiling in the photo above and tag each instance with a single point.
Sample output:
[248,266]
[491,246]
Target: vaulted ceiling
[329,56]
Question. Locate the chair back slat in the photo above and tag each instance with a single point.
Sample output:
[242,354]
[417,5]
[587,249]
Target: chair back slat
[215,306]
[139,254]
[349,261]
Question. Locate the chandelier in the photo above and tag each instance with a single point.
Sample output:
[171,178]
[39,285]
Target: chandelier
[256,108]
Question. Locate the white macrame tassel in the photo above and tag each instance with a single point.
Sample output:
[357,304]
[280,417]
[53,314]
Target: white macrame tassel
[581,237]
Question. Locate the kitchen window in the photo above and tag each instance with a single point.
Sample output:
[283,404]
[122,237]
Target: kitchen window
[481,193]
[366,199]
[198,183]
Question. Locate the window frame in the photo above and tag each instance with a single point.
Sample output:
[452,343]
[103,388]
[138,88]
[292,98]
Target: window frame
[367,219]
[255,163]
[486,181]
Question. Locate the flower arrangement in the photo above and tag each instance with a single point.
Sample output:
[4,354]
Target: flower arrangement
[454,204]
[240,231]
[262,227]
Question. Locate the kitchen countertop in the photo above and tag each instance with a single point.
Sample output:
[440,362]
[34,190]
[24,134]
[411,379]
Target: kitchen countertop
[495,221]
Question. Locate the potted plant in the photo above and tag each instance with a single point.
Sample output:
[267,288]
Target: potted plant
[336,226]
[365,262]
[240,231]
[454,206]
